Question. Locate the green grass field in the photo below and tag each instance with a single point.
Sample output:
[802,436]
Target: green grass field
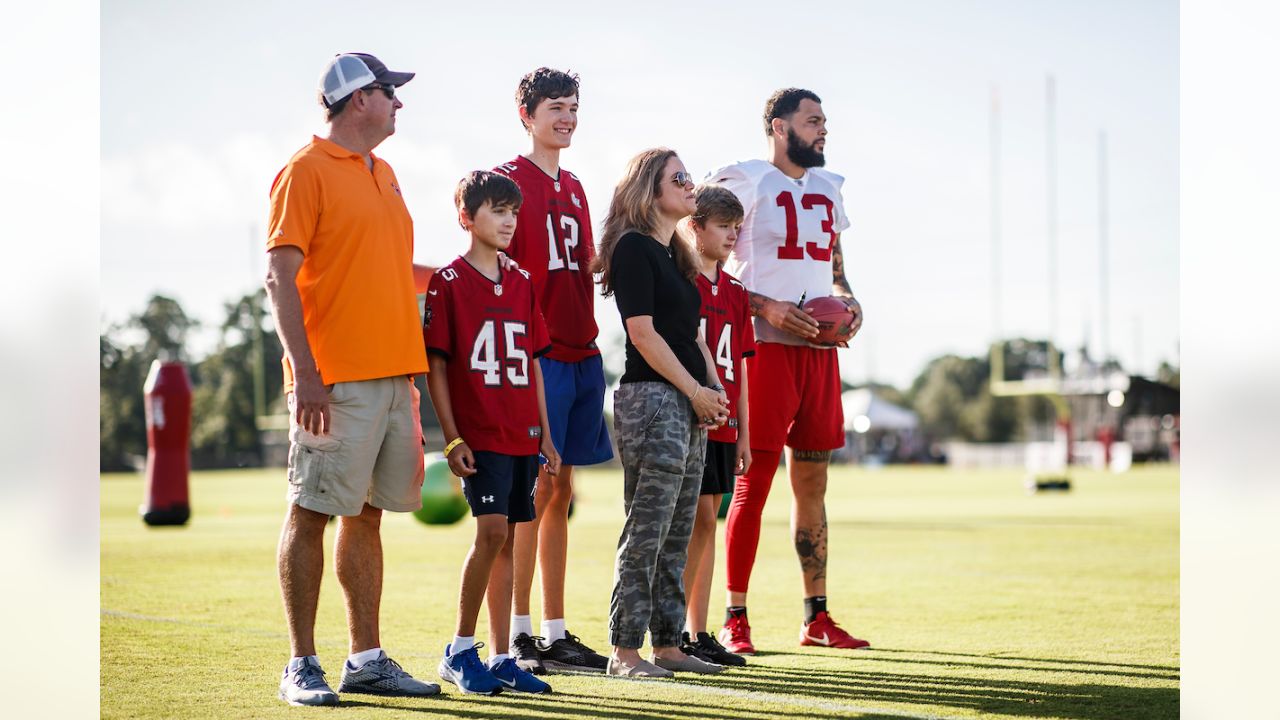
[979,601]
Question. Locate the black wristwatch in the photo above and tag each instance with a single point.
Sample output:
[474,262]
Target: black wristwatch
[717,387]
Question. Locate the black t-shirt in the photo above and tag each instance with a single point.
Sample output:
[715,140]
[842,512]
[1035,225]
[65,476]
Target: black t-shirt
[645,281]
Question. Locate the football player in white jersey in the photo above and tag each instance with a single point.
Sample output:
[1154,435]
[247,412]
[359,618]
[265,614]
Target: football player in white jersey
[789,250]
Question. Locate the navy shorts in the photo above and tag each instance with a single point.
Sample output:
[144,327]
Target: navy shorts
[502,485]
[717,473]
[575,410]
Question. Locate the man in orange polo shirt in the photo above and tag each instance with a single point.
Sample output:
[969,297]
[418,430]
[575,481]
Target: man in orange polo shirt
[342,285]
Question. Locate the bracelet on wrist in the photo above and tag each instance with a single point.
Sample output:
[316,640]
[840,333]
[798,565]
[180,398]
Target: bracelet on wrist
[456,442]
[717,387]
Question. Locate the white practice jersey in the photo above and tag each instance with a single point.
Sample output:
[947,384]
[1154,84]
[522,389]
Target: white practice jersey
[788,233]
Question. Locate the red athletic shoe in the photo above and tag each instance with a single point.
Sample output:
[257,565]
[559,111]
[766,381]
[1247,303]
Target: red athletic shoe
[824,632]
[736,636]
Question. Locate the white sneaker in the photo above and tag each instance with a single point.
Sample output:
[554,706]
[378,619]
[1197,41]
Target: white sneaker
[303,684]
[384,676]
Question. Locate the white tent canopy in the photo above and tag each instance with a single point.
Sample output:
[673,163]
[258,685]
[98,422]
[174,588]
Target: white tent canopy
[879,413]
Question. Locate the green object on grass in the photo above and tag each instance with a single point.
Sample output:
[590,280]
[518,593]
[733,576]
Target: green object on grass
[442,500]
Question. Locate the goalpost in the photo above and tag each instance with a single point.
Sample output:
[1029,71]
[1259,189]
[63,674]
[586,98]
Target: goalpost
[1048,470]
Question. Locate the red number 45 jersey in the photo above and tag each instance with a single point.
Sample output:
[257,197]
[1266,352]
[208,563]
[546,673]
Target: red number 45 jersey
[490,333]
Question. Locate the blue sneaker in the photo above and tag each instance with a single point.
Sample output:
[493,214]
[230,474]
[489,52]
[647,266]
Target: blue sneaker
[468,672]
[516,679]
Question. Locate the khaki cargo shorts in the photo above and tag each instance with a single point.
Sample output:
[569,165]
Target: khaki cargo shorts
[372,453]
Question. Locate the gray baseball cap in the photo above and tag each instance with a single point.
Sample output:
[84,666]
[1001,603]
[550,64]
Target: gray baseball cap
[348,72]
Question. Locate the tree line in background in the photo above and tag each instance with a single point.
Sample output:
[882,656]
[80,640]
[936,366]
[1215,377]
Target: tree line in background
[951,395]
[223,430]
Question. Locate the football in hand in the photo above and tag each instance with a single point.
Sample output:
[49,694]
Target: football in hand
[835,320]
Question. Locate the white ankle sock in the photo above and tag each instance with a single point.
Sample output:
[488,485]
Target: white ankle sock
[553,630]
[494,660]
[521,624]
[462,643]
[296,661]
[364,656]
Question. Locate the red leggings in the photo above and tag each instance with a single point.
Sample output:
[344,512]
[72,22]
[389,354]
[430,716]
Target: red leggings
[742,527]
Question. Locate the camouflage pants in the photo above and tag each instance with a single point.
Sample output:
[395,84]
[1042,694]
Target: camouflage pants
[662,449]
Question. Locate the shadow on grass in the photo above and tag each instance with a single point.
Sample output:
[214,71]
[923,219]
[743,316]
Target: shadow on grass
[558,705]
[1161,668]
[1091,701]
[814,691]
[1084,667]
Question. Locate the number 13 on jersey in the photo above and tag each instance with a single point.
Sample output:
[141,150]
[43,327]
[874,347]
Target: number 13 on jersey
[790,249]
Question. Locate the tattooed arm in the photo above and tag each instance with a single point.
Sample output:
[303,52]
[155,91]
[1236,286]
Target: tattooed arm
[840,286]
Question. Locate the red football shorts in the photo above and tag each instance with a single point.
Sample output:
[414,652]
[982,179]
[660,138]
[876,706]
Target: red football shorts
[795,398]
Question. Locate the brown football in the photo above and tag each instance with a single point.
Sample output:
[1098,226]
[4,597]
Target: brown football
[835,320]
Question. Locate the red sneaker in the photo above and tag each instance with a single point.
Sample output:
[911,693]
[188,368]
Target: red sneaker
[824,632]
[736,636]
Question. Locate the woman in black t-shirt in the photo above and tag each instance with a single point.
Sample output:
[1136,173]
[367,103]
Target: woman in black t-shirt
[667,398]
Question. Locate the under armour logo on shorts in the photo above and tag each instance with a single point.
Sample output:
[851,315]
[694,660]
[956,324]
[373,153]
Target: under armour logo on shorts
[486,498]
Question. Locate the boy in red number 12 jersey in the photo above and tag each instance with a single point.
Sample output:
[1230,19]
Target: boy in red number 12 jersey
[553,243]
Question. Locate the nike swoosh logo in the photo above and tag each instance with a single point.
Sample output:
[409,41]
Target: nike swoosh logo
[824,639]
[504,682]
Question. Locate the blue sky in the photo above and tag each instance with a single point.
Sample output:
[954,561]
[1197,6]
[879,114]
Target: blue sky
[201,105]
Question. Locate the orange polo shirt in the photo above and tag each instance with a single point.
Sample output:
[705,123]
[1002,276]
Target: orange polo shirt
[356,282]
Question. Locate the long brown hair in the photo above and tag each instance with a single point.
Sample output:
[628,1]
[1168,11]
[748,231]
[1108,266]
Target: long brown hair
[634,207]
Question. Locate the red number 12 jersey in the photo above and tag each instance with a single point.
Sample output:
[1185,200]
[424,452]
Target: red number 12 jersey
[490,333]
[553,243]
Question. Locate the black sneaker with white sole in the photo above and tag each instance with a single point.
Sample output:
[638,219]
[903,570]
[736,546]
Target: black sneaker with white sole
[568,654]
[524,648]
[708,648]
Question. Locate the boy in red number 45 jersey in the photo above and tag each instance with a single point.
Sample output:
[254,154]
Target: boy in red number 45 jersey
[484,335]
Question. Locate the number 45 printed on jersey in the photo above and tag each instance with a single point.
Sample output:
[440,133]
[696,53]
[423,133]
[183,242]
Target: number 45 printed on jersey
[494,349]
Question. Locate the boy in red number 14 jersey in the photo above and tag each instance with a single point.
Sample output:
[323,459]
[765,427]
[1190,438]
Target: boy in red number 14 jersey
[726,325]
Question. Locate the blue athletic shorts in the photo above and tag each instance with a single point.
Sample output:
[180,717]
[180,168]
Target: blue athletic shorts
[502,485]
[575,409]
